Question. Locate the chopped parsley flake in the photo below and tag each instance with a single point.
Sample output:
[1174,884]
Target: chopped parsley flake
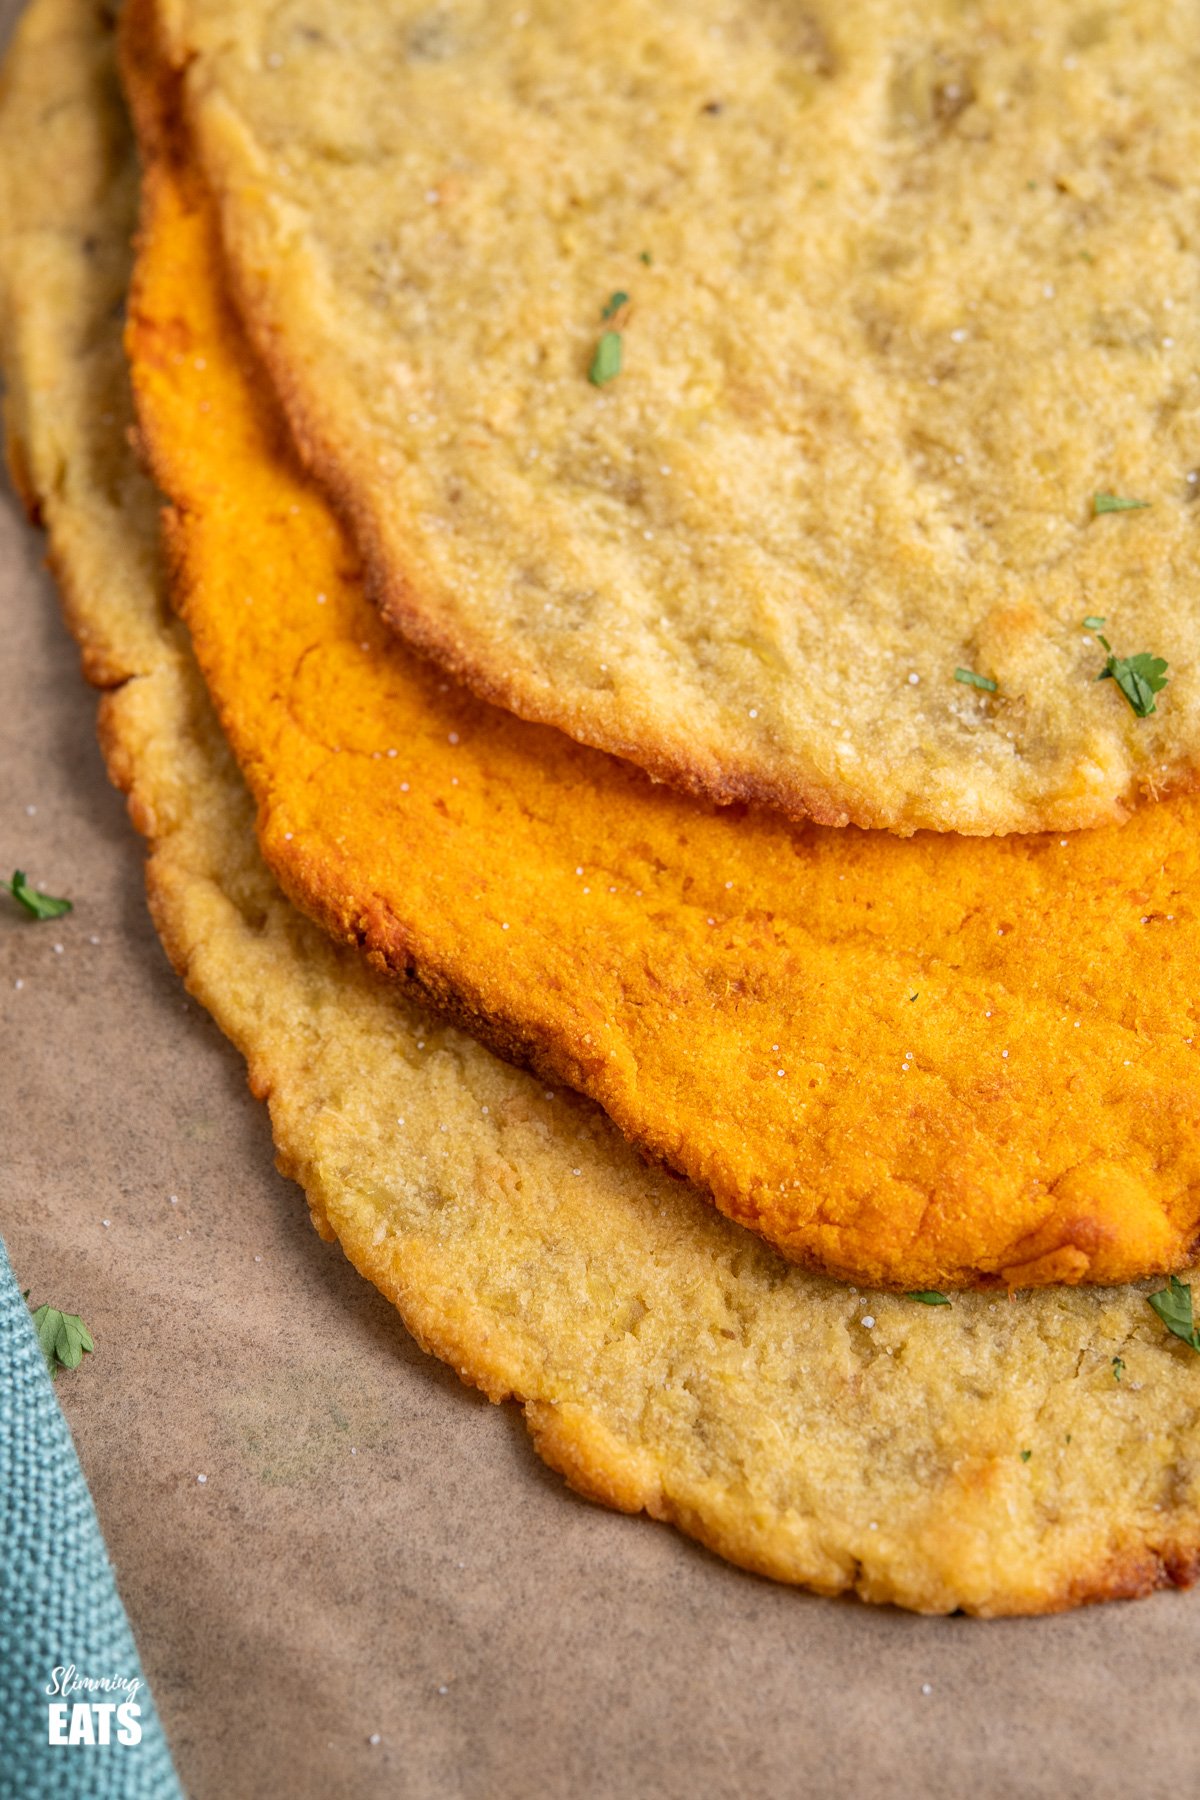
[1118,1367]
[1093,622]
[1106,503]
[929,1297]
[970,679]
[39,906]
[645,256]
[1173,1304]
[913,997]
[1139,677]
[64,1338]
[615,303]
[1025,1455]
[606,359]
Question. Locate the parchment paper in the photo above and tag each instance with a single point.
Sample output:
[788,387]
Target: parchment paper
[376,1551]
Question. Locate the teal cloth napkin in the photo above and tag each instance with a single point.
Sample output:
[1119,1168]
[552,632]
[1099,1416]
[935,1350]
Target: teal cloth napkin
[59,1606]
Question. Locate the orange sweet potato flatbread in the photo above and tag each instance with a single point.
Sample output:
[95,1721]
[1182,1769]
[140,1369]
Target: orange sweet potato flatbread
[916,1063]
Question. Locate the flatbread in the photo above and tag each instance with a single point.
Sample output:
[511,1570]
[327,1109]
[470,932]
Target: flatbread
[919,1063]
[908,285]
[664,1359]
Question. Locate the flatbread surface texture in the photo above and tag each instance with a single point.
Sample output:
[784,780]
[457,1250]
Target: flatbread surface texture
[899,288]
[978,1455]
[917,1062]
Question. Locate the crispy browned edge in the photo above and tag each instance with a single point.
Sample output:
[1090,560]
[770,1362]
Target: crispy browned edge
[601,1476]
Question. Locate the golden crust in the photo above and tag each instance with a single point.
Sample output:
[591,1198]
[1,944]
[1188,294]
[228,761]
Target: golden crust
[888,347]
[665,1360]
[919,1063]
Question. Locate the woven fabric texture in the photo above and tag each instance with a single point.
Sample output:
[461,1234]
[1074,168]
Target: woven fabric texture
[59,1606]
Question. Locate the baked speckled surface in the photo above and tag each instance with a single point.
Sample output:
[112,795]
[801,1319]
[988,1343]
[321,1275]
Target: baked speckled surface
[908,285]
[908,1062]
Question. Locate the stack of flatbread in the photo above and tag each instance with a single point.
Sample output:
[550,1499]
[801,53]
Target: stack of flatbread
[664,700]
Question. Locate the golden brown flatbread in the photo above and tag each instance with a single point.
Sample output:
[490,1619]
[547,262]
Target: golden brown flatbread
[664,1359]
[900,287]
[917,1063]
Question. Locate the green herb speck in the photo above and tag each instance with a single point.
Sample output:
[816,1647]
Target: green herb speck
[1173,1304]
[1107,503]
[64,1338]
[606,359]
[929,1297]
[970,679]
[1139,677]
[39,906]
[614,304]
